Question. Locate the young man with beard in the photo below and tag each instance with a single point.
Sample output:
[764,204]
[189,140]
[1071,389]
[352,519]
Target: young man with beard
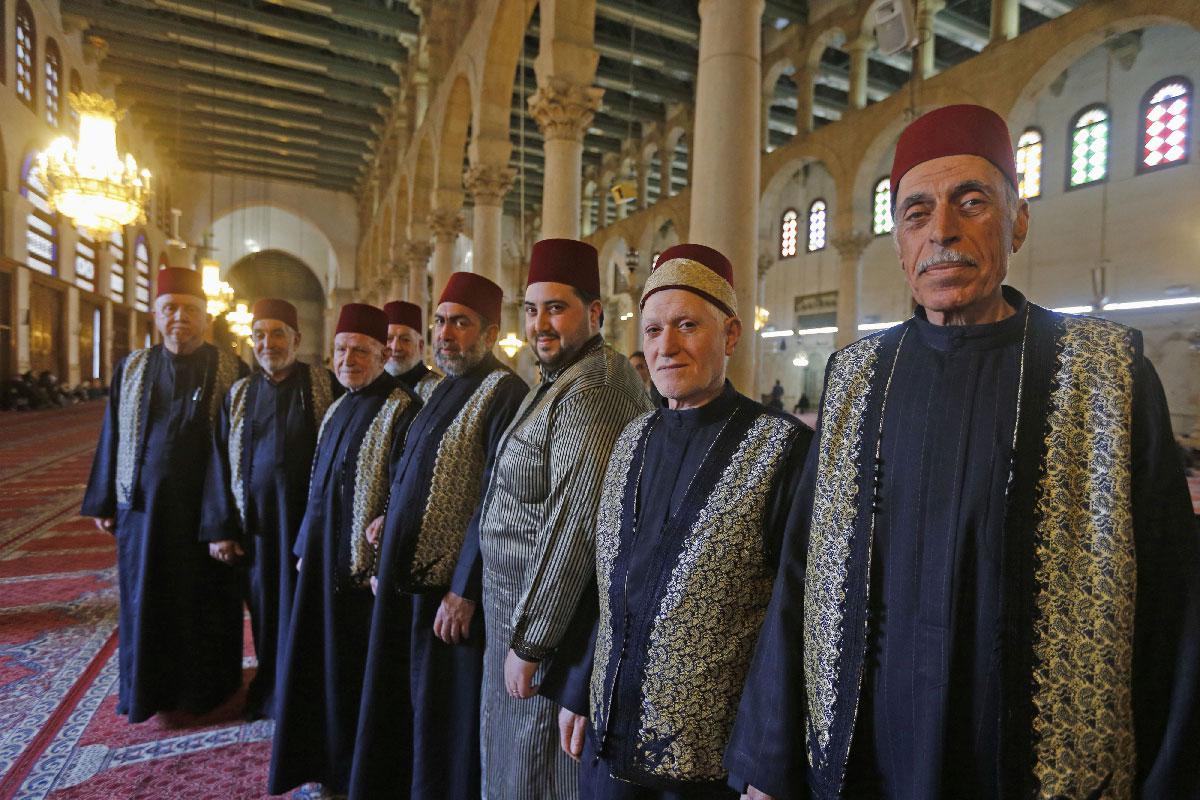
[427,631]
[257,486]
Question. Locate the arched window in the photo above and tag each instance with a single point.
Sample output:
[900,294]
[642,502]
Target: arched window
[74,86]
[85,261]
[816,226]
[41,226]
[53,70]
[141,260]
[116,281]
[1166,112]
[788,227]
[26,54]
[1089,147]
[1029,163]
[881,207]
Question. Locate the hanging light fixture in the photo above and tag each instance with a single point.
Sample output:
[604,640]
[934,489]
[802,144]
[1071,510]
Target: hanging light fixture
[218,292]
[87,181]
[240,320]
[510,344]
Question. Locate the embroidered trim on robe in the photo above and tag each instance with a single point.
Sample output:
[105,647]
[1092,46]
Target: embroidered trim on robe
[428,382]
[237,426]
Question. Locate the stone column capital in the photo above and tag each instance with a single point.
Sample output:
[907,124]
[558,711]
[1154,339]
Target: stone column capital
[446,224]
[850,245]
[488,183]
[564,110]
[765,262]
[416,254]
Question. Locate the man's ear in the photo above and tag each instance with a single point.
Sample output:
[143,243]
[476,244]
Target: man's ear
[733,334]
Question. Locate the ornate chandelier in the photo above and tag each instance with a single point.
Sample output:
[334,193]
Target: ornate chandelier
[510,344]
[87,180]
[218,292]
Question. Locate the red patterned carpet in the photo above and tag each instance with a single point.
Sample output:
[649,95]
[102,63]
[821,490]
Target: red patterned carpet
[60,736]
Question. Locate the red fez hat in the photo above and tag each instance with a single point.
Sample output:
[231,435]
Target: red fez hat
[180,280]
[566,261]
[694,268]
[401,313]
[364,319]
[961,130]
[476,293]
[274,308]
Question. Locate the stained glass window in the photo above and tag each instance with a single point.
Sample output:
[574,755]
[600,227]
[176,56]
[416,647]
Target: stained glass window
[1166,113]
[26,53]
[1089,146]
[816,226]
[53,70]
[141,258]
[788,226]
[41,226]
[881,207]
[1029,163]
[85,261]
[116,281]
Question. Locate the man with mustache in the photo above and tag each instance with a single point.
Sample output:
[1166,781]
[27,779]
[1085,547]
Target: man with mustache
[537,531]
[180,611]
[992,588]
[321,669]
[428,588]
[257,485]
[406,342]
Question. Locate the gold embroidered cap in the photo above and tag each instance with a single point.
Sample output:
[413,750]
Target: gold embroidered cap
[694,268]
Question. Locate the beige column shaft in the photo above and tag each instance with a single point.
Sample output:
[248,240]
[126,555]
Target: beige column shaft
[850,247]
[445,225]
[416,255]
[487,185]
[1006,20]
[858,73]
[805,97]
[563,111]
[926,11]
[724,198]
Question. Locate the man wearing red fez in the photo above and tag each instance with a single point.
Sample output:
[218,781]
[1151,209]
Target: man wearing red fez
[427,632]
[257,486]
[324,653]
[693,510]
[538,524]
[180,611]
[992,589]
[406,340]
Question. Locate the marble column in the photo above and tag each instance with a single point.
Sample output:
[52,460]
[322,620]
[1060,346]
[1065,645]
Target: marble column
[805,97]
[1006,20]
[850,247]
[725,162]
[563,112]
[858,50]
[926,11]
[487,184]
[416,255]
[445,225]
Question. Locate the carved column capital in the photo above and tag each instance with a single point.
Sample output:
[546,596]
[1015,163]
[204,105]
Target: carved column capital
[446,224]
[850,245]
[564,110]
[765,262]
[416,254]
[488,183]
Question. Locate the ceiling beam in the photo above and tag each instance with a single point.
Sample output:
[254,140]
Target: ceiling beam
[163,121]
[961,30]
[216,65]
[394,20]
[253,159]
[651,19]
[1050,8]
[250,142]
[173,80]
[228,168]
[642,83]
[156,25]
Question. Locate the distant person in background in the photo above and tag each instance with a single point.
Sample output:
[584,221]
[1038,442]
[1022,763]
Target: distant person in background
[637,360]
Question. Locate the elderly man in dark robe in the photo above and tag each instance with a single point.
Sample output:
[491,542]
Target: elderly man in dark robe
[321,670]
[538,524]
[691,519]
[257,484]
[406,343]
[427,631]
[180,627]
[992,589]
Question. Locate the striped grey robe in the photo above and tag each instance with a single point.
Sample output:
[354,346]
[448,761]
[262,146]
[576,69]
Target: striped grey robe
[537,538]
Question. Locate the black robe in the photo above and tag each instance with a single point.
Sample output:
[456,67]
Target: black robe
[279,436]
[180,624]
[945,708]
[421,695]
[413,376]
[321,668]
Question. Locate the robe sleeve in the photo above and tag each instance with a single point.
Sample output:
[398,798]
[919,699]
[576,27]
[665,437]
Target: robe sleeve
[1166,648]
[100,498]
[568,674]
[219,517]
[467,581]
[585,428]
[767,747]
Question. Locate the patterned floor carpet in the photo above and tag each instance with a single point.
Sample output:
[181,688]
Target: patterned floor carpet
[60,736]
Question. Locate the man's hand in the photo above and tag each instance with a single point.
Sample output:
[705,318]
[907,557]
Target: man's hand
[518,676]
[105,524]
[453,621]
[227,551]
[374,584]
[755,794]
[375,531]
[571,727]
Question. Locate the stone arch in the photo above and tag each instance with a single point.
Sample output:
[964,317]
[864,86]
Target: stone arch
[772,200]
[274,228]
[452,137]
[278,272]
[612,259]
[422,186]
[833,36]
[503,52]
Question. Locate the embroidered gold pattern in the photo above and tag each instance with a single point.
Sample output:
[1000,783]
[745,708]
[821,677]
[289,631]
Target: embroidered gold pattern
[321,383]
[834,509]
[129,421]
[429,381]
[455,487]
[704,631]
[1083,637]
[237,424]
[608,541]
[228,366]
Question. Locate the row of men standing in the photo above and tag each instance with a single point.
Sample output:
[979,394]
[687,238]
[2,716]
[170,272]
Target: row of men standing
[990,646]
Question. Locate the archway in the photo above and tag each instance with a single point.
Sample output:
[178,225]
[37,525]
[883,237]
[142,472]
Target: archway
[278,273]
